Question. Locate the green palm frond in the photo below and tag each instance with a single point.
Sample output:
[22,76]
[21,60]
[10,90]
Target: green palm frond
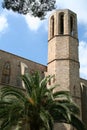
[73,108]
[27,83]
[63,95]
[37,106]
[12,91]
[77,123]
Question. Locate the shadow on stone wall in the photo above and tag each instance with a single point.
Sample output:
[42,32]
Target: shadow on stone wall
[84,103]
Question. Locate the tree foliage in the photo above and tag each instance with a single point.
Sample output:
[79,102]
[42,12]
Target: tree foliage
[37,8]
[37,107]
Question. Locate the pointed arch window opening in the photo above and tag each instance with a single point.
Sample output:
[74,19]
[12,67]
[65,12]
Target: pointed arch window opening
[6,73]
[71,25]
[52,26]
[61,30]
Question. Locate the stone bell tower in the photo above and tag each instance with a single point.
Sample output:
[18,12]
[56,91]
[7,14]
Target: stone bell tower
[63,59]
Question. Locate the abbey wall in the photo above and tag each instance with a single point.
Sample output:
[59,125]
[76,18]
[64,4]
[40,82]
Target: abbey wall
[12,67]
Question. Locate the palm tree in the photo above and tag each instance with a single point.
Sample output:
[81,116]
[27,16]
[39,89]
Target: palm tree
[36,107]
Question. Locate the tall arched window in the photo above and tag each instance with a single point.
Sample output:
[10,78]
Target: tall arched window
[52,26]
[61,23]
[71,25]
[6,73]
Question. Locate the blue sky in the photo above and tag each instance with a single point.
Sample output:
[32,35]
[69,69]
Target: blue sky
[26,36]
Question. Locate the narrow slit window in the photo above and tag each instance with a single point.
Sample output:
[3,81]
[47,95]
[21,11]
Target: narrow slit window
[74,89]
[52,26]
[71,25]
[61,23]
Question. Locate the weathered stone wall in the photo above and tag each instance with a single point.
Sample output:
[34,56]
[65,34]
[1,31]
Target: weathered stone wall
[84,99]
[15,62]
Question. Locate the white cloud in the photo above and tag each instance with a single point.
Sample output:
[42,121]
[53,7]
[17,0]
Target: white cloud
[78,6]
[32,22]
[3,23]
[75,5]
[83,59]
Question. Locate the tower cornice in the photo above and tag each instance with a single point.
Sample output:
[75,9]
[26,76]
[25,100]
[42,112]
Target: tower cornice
[60,35]
[64,59]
